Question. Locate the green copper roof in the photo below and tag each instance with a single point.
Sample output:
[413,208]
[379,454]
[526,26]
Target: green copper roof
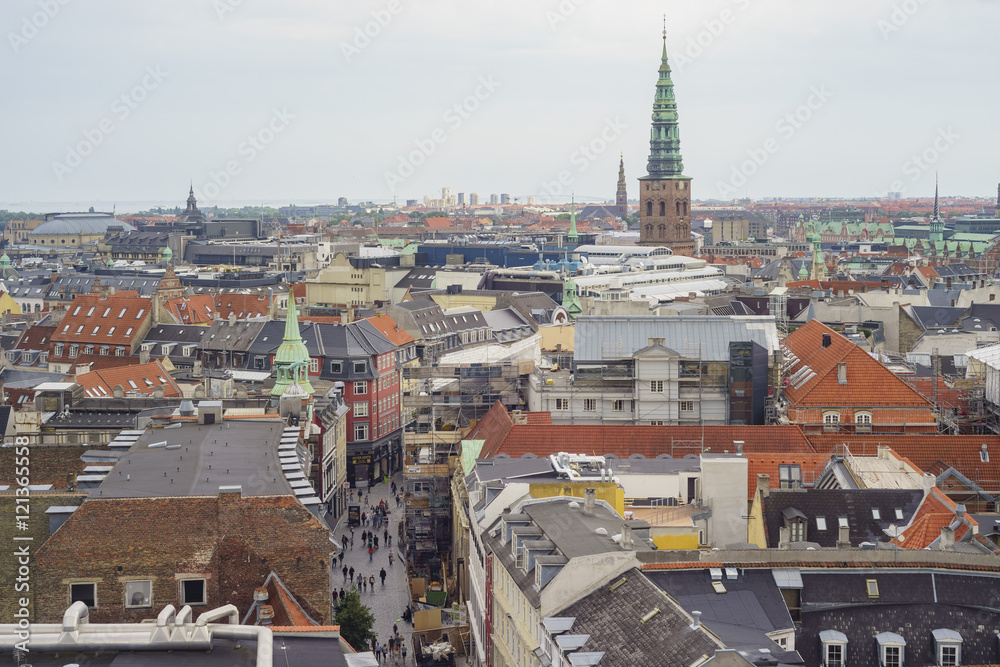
[664,140]
[292,358]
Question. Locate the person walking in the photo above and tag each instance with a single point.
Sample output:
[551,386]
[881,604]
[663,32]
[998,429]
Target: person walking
[334,596]
[364,583]
[361,581]
[381,574]
[388,541]
[341,592]
[376,541]
[352,572]
[371,581]
[342,555]
[378,652]
[404,654]
[371,553]
[390,559]
[345,573]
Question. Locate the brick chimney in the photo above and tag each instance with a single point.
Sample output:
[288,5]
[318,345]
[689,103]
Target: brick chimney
[947,538]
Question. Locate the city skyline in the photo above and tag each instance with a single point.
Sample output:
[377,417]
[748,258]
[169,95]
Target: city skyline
[298,104]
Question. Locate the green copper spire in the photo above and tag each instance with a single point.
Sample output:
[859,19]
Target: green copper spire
[292,359]
[573,237]
[936,233]
[664,140]
[571,300]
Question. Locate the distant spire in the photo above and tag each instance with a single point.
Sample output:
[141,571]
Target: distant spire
[937,209]
[998,201]
[665,145]
[664,37]
[573,237]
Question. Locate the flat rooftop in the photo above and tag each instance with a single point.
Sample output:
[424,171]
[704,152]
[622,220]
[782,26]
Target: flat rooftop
[197,459]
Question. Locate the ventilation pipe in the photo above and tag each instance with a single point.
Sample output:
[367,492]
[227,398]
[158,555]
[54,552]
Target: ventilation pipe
[589,502]
[695,619]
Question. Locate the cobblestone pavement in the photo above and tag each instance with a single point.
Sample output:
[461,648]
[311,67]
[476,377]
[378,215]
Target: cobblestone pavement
[386,602]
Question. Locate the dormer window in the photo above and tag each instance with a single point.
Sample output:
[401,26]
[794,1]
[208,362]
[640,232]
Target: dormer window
[795,521]
[834,644]
[892,649]
[947,647]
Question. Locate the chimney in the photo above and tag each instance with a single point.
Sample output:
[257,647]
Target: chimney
[232,319]
[827,341]
[588,502]
[843,537]
[764,484]
[695,619]
[784,537]
[947,538]
[929,482]
[626,537]
[265,614]
[143,355]
[960,511]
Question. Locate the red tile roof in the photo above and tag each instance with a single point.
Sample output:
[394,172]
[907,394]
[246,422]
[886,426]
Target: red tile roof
[869,383]
[437,222]
[139,378]
[35,337]
[503,436]
[103,320]
[242,305]
[390,329]
[931,453]
[194,309]
[936,512]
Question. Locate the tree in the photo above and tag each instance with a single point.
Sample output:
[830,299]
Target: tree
[355,620]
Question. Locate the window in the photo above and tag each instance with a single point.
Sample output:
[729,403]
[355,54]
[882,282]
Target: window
[949,656]
[128,332]
[842,522]
[360,388]
[899,514]
[589,404]
[138,594]
[618,405]
[104,350]
[94,332]
[361,409]
[871,585]
[797,530]
[834,655]
[314,365]
[336,367]
[85,593]
[139,314]
[656,422]
[72,351]
[821,523]
[863,418]
[193,591]
[656,386]
[79,329]
[831,418]
[789,476]
[687,406]
[57,350]
[360,367]
[111,331]
[119,351]
[893,656]
[361,431]
[876,514]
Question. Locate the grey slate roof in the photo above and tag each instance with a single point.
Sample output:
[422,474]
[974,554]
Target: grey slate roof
[855,504]
[600,338]
[612,622]
[911,604]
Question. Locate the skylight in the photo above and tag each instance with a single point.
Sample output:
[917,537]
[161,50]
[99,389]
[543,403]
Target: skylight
[899,514]
[876,514]
[872,586]
[718,586]
[842,522]
[821,523]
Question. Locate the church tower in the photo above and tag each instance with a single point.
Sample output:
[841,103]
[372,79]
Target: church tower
[998,200]
[621,196]
[936,233]
[665,192]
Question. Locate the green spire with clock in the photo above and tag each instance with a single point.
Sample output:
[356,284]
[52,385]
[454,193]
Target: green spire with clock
[664,140]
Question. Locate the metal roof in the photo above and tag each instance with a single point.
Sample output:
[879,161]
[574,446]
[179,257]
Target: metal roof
[599,338]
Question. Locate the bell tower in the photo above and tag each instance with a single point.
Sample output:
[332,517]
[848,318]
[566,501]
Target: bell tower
[665,192]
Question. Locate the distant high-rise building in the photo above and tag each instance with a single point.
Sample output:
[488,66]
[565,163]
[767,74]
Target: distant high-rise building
[621,196]
[505,198]
[493,200]
[412,202]
[531,201]
[665,192]
[473,199]
[342,202]
[461,199]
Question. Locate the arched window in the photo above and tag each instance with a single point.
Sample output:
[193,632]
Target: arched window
[685,208]
[677,206]
[649,208]
[663,208]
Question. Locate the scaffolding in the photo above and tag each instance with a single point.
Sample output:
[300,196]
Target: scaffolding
[444,401]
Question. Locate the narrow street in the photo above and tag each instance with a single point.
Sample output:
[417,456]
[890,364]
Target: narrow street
[386,602]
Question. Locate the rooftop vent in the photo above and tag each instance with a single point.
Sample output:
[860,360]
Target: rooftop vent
[827,340]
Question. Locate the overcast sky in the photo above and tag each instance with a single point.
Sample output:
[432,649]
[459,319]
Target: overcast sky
[127,100]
